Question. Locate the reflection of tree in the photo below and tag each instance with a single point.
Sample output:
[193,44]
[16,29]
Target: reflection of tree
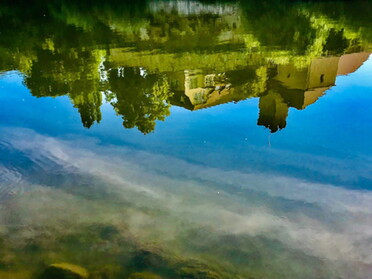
[140,98]
[175,33]
[278,24]
[60,49]
[88,104]
[273,112]
[302,32]
[336,41]
[73,73]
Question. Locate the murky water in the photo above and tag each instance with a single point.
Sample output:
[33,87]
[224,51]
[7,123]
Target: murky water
[185,139]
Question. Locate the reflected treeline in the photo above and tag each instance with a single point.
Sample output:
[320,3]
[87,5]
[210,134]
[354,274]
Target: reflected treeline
[140,98]
[144,57]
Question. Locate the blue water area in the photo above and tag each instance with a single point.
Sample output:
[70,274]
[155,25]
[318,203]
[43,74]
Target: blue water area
[185,139]
[327,142]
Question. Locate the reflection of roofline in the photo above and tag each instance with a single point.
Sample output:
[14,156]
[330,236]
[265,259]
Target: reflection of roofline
[189,106]
[348,67]
[307,93]
[175,100]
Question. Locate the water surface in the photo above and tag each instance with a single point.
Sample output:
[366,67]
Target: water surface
[185,139]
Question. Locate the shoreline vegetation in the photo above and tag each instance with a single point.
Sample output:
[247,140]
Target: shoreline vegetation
[148,56]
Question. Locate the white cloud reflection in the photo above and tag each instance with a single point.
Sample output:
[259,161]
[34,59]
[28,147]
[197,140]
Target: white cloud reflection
[325,221]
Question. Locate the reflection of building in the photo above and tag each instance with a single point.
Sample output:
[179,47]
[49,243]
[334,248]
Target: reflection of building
[279,87]
[207,90]
[193,7]
[319,76]
[349,63]
[197,90]
[301,88]
[287,87]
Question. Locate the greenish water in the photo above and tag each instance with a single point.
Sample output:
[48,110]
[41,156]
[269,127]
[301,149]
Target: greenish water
[185,139]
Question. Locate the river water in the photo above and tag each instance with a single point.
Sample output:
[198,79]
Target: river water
[186,139]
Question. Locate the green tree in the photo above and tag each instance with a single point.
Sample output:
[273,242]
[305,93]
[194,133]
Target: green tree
[141,99]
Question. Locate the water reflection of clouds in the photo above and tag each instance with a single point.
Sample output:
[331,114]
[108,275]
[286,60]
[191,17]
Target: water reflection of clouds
[323,220]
